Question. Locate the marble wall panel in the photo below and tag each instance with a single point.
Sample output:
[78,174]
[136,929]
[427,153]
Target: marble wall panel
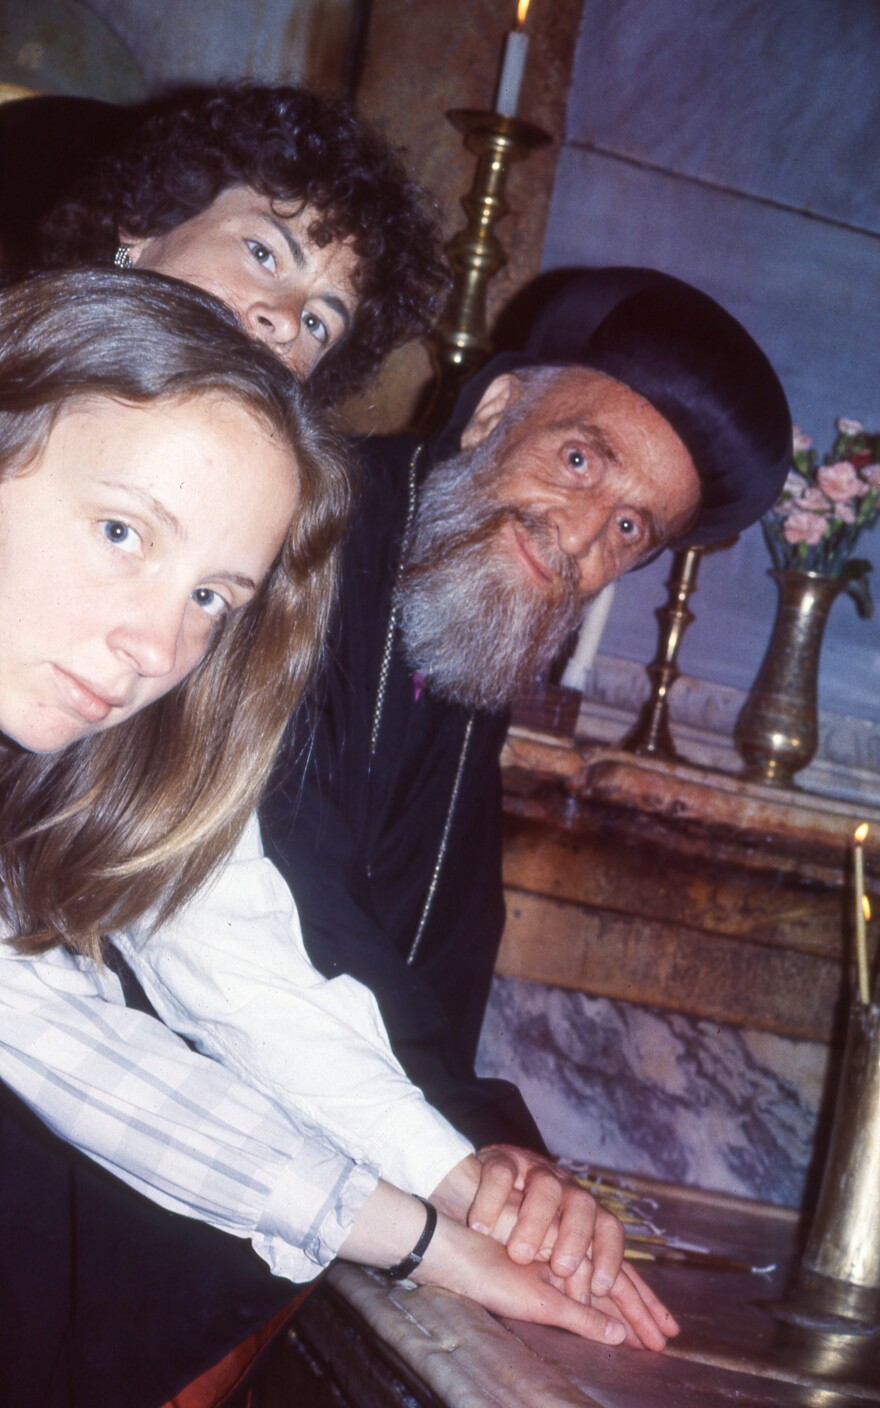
[779,100]
[803,288]
[201,41]
[638,1089]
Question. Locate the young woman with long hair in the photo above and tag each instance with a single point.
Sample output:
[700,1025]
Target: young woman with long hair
[169,513]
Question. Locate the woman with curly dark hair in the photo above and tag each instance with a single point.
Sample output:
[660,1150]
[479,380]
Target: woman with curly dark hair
[283,204]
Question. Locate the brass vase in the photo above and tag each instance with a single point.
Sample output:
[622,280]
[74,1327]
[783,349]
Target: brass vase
[777,732]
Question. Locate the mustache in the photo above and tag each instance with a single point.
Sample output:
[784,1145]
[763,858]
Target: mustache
[471,618]
[543,537]
[536,527]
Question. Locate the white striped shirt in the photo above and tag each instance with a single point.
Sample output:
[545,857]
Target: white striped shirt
[279,1132]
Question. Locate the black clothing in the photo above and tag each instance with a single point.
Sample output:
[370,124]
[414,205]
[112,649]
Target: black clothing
[357,838]
[106,1299]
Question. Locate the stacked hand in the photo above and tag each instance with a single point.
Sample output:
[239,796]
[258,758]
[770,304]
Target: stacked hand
[564,1252]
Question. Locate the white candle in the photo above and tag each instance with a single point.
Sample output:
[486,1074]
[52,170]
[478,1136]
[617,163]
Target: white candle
[589,638]
[513,62]
[861,833]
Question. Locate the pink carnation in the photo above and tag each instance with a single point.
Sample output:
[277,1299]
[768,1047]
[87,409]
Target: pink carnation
[810,500]
[795,484]
[814,501]
[845,512]
[800,441]
[801,527]
[849,427]
[840,481]
[871,473]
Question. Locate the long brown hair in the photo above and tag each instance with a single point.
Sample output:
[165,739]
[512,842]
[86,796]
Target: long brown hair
[137,818]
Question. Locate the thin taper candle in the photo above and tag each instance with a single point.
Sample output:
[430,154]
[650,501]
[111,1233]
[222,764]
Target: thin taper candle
[859,837]
[513,63]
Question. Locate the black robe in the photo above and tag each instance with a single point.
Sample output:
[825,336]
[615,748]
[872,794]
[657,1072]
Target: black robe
[106,1299]
[358,839]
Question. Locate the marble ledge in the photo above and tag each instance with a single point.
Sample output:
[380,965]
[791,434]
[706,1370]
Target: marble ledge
[721,813]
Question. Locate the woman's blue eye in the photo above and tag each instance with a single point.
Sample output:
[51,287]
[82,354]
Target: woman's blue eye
[260,252]
[210,601]
[313,324]
[121,535]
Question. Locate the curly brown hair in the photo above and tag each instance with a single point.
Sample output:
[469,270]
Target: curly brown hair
[291,145]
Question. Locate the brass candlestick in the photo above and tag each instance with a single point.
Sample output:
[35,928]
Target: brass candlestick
[650,734]
[460,343]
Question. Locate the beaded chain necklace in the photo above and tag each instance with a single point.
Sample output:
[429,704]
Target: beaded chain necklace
[381,692]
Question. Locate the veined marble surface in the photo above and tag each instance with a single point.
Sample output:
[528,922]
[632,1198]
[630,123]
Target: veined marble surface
[647,1091]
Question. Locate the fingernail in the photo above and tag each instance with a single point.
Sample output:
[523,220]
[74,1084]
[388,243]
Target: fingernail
[480,1227]
[614,1332]
[568,1264]
[601,1284]
[524,1250]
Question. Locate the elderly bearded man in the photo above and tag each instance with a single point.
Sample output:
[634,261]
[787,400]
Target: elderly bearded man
[470,560]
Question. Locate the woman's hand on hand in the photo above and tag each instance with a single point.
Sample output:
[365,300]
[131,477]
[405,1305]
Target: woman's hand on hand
[477,1266]
[538,1210]
[542,1214]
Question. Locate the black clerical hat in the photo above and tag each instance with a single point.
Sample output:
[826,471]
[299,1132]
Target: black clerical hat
[691,360]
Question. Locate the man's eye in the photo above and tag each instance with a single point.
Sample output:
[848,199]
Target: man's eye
[120,535]
[630,528]
[313,324]
[211,602]
[575,458]
[262,255]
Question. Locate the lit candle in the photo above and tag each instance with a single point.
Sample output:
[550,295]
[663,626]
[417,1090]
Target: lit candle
[859,836]
[513,62]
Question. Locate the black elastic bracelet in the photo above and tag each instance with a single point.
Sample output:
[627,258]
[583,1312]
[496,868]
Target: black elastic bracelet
[408,1265]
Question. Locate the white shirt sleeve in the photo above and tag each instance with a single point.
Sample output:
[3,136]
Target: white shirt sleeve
[177,1127]
[231,973]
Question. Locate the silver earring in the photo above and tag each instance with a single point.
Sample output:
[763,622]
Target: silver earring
[122,257]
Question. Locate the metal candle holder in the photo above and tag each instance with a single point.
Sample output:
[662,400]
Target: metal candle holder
[845,1237]
[650,733]
[460,343]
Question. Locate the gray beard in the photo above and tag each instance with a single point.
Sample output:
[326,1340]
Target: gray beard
[471,620]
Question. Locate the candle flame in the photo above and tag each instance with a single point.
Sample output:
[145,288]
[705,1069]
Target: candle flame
[522,9]
[860,833]
[866,907]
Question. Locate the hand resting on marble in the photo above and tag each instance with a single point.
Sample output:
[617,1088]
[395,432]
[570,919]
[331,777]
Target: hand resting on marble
[477,1266]
[555,1229]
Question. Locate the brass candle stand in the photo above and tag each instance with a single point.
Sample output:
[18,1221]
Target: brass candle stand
[460,343]
[844,1241]
[650,733]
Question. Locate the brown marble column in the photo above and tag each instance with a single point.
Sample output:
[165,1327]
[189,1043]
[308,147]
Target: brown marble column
[424,57]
